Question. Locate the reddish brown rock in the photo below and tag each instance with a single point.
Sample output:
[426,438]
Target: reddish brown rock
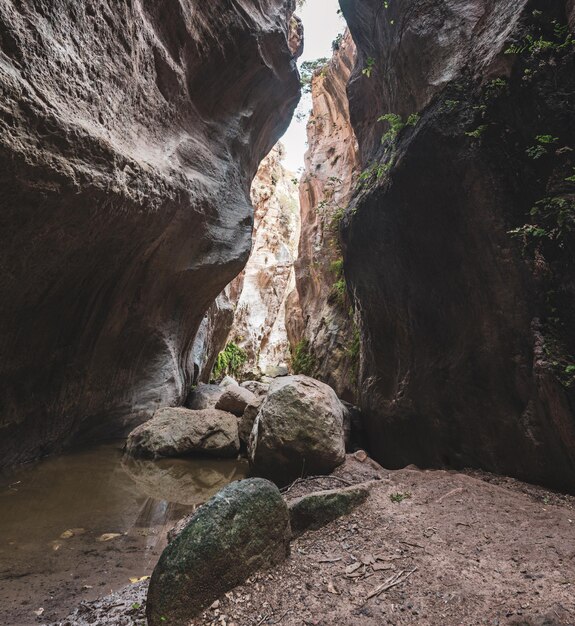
[129,136]
[319,312]
[467,329]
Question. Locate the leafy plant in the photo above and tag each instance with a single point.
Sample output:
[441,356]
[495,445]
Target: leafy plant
[369,65]
[229,361]
[478,132]
[396,124]
[302,360]
[307,71]
[539,149]
[336,43]
[399,497]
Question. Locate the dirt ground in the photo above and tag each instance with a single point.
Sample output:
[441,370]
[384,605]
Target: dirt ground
[437,548]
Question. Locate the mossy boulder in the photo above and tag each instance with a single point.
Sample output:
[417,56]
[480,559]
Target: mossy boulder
[242,529]
[318,509]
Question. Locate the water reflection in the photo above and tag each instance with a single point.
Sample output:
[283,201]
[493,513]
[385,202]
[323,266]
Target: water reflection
[54,514]
[183,481]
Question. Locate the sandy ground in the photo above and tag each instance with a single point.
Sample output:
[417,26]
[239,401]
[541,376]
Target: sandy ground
[427,548]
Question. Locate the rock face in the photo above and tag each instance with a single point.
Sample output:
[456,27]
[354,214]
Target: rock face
[179,432]
[235,399]
[317,509]
[259,326]
[244,528]
[322,335]
[459,241]
[298,430]
[129,136]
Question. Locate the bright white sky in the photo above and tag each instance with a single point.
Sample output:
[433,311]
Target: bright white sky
[322,25]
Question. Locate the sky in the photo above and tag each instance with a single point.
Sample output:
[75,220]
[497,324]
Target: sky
[321,26]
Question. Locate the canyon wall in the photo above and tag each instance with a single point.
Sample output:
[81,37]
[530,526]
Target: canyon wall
[259,326]
[320,321]
[130,134]
[459,240]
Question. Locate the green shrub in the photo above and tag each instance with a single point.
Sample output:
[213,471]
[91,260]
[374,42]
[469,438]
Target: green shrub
[229,362]
[302,360]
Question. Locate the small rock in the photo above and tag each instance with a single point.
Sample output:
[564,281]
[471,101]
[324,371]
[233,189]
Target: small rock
[235,399]
[178,432]
[360,455]
[242,529]
[227,381]
[318,509]
[276,371]
[257,387]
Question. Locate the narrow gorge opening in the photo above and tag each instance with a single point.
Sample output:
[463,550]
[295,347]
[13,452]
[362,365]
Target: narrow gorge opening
[244,387]
[291,310]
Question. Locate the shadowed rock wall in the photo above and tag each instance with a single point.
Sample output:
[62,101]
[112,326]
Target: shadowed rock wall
[459,242]
[130,132]
[318,312]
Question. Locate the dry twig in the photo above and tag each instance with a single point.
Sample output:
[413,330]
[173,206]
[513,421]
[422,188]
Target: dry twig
[392,581]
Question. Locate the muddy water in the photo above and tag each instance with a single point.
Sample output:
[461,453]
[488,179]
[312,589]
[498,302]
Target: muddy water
[79,525]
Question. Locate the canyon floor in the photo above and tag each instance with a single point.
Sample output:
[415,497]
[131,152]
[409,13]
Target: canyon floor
[428,548]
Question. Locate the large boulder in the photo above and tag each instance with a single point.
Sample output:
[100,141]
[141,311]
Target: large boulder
[244,528]
[179,432]
[298,430]
[235,399]
[257,387]
[204,397]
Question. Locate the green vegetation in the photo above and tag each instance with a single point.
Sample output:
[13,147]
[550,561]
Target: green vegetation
[396,125]
[336,218]
[532,44]
[399,497]
[553,219]
[302,360]
[369,65]
[229,362]
[478,132]
[336,43]
[307,71]
[539,149]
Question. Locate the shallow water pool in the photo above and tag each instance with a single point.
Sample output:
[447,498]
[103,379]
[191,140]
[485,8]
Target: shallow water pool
[76,526]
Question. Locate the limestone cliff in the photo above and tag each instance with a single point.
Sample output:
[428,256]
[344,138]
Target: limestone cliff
[129,136]
[322,333]
[459,241]
[259,325]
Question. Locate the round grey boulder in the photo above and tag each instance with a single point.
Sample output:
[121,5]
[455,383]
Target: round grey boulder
[299,430]
[174,432]
[242,529]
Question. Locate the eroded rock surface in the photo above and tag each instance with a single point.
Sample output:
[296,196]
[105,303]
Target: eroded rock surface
[467,327]
[180,432]
[235,399]
[259,326]
[298,431]
[242,529]
[129,136]
[320,325]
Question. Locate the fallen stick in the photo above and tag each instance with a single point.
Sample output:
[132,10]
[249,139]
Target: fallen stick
[392,581]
